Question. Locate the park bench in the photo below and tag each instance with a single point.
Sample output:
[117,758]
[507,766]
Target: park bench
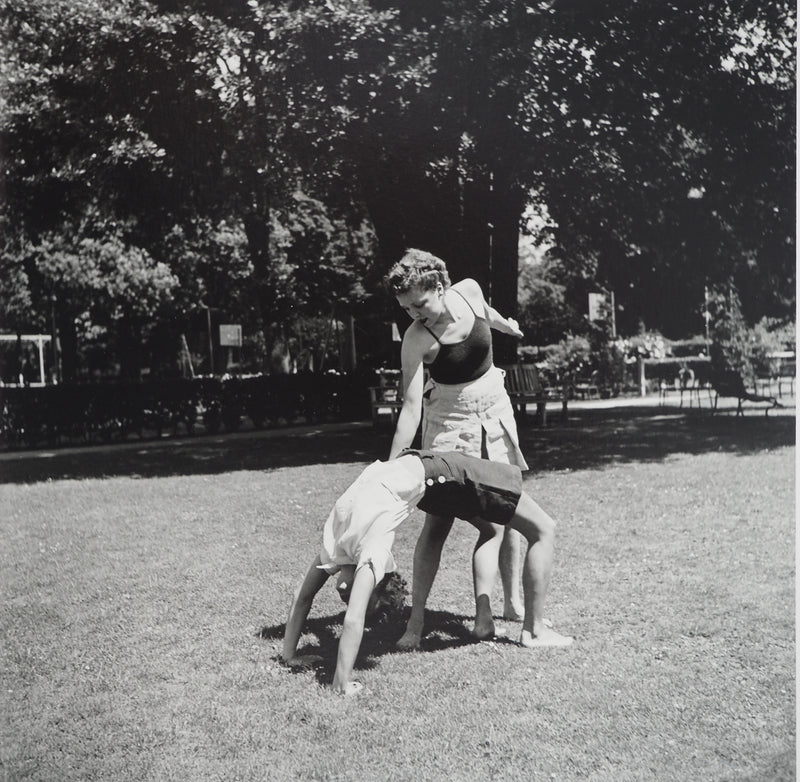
[387,397]
[731,384]
[781,372]
[524,386]
[787,374]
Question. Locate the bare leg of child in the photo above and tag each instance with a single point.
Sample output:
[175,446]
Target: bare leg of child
[539,531]
[484,573]
[427,554]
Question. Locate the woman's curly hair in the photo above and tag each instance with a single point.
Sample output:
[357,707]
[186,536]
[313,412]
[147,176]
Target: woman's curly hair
[417,269]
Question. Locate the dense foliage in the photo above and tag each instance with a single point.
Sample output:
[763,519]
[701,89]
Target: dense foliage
[265,161]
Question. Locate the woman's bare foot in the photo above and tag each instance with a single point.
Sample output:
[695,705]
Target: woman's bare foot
[544,636]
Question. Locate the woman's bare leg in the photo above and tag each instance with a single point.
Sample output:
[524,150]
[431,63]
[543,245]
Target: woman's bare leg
[539,531]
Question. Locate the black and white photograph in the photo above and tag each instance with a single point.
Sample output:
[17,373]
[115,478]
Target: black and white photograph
[398,390]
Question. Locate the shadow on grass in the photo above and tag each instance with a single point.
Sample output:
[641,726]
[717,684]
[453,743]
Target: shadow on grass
[597,438]
[444,630]
[591,439]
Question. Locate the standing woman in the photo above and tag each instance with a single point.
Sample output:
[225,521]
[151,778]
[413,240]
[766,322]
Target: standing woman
[464,407]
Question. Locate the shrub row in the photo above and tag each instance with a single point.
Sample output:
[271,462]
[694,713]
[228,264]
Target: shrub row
[56,415]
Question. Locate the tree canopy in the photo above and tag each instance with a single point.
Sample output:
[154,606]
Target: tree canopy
[270,159]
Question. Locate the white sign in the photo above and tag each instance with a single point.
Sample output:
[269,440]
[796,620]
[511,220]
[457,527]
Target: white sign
[597,305]
[230,335]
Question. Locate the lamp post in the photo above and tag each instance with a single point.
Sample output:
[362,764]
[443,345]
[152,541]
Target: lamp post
[210,337]
[55,346]
[613,316]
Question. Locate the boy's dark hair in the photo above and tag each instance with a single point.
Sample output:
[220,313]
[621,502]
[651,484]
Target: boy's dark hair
[392,592]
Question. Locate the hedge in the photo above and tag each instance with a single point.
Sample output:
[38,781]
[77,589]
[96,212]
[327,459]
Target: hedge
[107,412]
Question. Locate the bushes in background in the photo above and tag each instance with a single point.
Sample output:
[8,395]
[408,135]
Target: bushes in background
[54,415]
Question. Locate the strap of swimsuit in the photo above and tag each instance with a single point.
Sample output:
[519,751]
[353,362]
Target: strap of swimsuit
[431,333]
[468,304]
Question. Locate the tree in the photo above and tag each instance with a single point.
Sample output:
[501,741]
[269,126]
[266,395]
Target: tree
[680,131]
[729,334]
[107,124]
[176,126]
[96,282]
[108,103]
[437,121]
[544,315]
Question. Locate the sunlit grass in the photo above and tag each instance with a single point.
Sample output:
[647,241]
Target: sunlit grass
[141,620]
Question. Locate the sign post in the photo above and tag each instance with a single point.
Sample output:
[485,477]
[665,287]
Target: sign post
[230,336]
[599,306]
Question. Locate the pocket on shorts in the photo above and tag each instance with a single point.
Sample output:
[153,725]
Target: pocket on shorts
[502,443]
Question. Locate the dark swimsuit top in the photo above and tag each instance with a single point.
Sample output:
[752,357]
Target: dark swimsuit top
[462,362]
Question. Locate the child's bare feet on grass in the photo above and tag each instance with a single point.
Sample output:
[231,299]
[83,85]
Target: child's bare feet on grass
[513,611]
[486,630]
[543,636]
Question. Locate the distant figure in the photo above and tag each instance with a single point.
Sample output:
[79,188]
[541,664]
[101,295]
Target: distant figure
[26,372]
[280,359]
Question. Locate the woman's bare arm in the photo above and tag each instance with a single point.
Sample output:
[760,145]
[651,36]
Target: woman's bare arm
[474,295]
[412,353]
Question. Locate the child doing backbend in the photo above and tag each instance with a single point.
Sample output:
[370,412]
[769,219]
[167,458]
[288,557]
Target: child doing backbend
[360,530]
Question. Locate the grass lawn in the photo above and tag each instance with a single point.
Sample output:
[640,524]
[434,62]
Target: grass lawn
[144,591]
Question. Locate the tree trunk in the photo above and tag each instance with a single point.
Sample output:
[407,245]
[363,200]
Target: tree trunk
[409,209]
[506,211]
[472,252]
[130,351]
[257,230]
[472,226]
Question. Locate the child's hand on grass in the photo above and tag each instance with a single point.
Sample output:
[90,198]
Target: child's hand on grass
[303,661]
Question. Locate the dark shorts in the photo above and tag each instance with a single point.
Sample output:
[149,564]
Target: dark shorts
[466,487]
